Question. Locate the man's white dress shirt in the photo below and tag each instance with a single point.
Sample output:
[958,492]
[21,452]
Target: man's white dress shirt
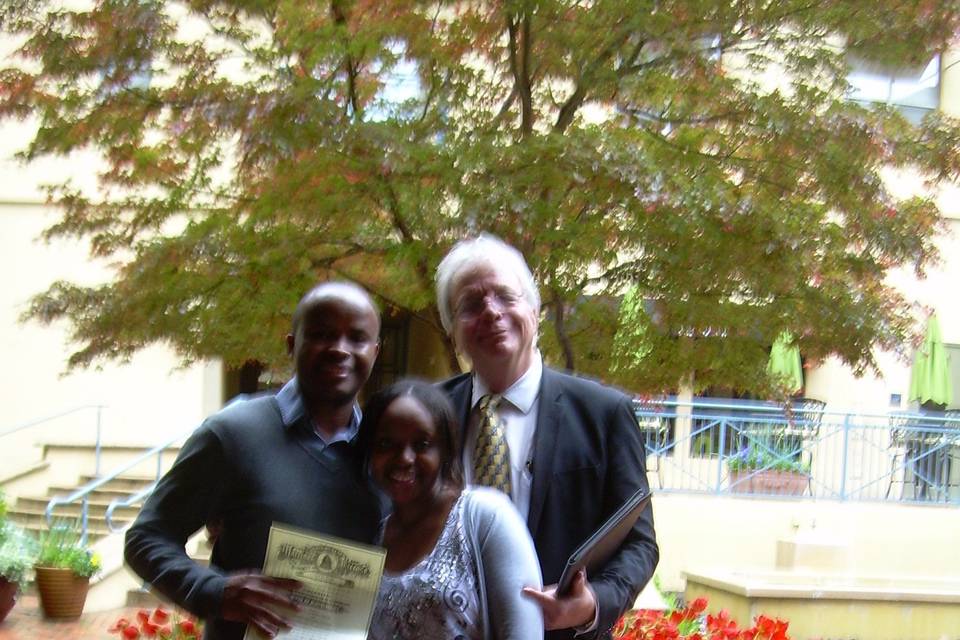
[518,410]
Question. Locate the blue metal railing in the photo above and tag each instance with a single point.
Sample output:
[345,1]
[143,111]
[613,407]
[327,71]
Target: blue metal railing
[755,448]
[41,421]
[83,493]
[721,446]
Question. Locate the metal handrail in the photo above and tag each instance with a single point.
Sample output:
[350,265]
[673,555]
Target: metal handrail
[83,493]
[657,406]
[847,455]
[117,503]
[38,421]
[66,412]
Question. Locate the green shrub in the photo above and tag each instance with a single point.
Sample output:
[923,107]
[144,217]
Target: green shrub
[17,553]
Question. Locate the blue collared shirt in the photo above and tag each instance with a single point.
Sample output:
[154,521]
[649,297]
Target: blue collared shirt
[293,412]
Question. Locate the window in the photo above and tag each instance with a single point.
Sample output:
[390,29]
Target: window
[915,91]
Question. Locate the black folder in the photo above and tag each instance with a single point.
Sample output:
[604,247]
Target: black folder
[598,548]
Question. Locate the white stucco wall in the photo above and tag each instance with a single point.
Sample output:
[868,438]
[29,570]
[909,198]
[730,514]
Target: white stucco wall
[147,398]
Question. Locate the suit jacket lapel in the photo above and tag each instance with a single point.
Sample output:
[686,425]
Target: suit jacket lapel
[460,397]
[544,447]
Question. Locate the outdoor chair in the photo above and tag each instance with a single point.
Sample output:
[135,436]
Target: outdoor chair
[657,434]
[899,425]
[807,416]
[920,455]
[952,454]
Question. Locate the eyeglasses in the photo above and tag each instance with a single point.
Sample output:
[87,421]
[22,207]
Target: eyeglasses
[473,304]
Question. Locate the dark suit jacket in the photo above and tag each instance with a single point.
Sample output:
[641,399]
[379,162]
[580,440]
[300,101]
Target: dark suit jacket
[588,458]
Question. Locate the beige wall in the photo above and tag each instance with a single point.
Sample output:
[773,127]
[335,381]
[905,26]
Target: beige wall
[147,398]
[707,533]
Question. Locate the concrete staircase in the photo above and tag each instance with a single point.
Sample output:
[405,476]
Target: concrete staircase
[28,510]
[59,471]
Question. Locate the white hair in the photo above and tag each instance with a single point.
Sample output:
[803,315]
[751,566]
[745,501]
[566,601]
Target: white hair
[485,249]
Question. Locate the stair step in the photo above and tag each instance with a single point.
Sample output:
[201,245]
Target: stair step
[103,493]
[146,599]
[130,483]
[107,448]
[30,504]
[95,530]
[39,519]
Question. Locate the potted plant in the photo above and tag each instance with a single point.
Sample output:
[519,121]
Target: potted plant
[17,553]
[768,466]
[16,556]
[63,570]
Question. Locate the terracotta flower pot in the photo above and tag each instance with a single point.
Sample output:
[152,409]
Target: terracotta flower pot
[8,597]
[62,593]
[784,483]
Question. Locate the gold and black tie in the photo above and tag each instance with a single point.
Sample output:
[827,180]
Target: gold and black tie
[491,460]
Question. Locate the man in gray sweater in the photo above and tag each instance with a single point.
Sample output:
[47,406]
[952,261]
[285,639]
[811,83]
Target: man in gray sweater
[287,458]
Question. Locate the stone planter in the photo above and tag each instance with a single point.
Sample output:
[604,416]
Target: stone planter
[769,482]
[8,596]
[62,593]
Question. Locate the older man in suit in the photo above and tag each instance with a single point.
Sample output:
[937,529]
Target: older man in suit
[567,450]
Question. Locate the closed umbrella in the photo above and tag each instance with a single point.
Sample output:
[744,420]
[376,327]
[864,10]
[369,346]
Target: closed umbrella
[930,374]
[784,365]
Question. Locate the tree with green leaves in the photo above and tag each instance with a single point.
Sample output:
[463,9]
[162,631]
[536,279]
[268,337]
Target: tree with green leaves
[699,160]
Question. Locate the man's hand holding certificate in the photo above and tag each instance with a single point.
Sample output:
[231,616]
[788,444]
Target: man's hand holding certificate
[340,581]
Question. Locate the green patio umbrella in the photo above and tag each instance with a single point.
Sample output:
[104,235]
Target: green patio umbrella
[930,374]
[784,364]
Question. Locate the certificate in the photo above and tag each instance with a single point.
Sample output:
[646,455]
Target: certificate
[340,583]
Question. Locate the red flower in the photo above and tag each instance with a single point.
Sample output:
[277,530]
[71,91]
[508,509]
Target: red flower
[187,626]
[160,615]
[131,633]
[771,628]
[722,626]
[143,615]
[690,623]
[149,629]
[119,625]
[698,606]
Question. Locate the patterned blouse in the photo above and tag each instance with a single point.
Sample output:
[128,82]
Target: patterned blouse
[436,598]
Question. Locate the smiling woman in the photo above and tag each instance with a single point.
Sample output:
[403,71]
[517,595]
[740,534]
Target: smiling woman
[456,559]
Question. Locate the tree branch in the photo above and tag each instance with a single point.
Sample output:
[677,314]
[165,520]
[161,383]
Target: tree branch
[519,66]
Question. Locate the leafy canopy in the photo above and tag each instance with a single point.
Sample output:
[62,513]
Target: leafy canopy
[699,155]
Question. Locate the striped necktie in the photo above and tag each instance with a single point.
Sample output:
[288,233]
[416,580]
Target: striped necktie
[491,459]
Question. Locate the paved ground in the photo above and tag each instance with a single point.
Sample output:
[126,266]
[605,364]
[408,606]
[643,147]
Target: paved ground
[26,622]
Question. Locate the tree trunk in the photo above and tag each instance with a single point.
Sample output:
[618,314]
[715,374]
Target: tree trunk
[560,326]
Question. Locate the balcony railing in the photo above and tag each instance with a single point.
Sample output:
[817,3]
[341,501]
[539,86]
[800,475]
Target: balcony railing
[800,451]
